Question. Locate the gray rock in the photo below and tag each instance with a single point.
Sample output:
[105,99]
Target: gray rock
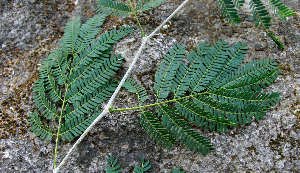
[30,29]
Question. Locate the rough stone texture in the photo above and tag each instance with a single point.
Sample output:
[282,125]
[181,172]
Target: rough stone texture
[30,29]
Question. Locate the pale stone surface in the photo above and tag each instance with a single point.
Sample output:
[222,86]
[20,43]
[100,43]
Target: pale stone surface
[29,29]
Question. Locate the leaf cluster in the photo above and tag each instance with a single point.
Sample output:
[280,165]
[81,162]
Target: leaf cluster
[113,167]
[213,90]
[76,79]
[109,7]
[261,18]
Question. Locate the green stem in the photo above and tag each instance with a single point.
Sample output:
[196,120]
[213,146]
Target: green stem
[58,130]
[155,104]
[137,19]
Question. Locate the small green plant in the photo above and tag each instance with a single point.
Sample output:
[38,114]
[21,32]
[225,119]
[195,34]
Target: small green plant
[261,16]
[113,167]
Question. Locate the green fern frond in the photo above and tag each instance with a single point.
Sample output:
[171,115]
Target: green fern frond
[255,72]
[41,101]
[260,14]
[212,92]
[43,131]
[91,100]
[145,166]
[88,31]
[167,70]
[113,167]
[75,79]
[96,78]
[99,48]
[215,60]
[280,9]
[70,36]
[185,75]
[145,5]
[109,7]
[132,86]
[156,130]
[180,128]
[193,113]
[276,40]
[229,11]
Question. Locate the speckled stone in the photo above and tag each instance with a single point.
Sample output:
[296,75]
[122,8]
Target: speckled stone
[30,29]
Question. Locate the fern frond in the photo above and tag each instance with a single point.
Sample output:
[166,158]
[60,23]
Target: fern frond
[145,166]
[44,105]
[260,14]
[228,10]
[109,7]
[193,113]
[113,167]
[90,100]
[43,131]
[76,125]
[214,61]
[180,128]
[185,75]
[280,9]
[252,75]
[70,36]
[132,86]
[98,49]
[97,77]
[167,70]
[75,79]
[236,56]
[276,40]
[145,5]
[156,130]
[88,31]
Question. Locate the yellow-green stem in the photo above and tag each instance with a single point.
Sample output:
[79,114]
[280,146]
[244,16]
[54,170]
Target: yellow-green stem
[137,19]
[155,104]
[58,130]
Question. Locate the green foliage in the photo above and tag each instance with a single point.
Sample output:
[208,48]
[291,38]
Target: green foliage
[75,79]
[132,86]
[145,166]
[145,5]
[178,170]
[214,91]
[276,40]
[109,7]
[113,167]
[260,14]
[229,11]
[280,9]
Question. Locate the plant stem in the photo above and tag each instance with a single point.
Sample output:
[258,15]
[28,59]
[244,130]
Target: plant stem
[155,104]
[58,130]
[137,19]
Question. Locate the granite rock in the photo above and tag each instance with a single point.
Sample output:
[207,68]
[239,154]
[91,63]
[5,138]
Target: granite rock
[30,30]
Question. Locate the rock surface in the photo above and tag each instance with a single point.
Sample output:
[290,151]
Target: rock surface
[30,29]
